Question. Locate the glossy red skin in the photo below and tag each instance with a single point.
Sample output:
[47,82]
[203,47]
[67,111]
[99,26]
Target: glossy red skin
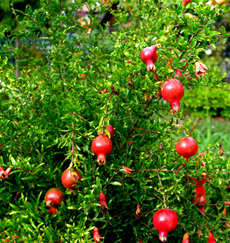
[110,130]
[70,178]
[165,220]
[201,200]
[185,2]
[211,238]
[52,211]
[96,236]
[54,197]
[101,146]
[187,147]
[172,91]
[149,56]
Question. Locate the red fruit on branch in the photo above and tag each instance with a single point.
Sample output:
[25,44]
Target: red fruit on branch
[200,200]
[187,147]
[101,146]
[52,211]
[186,238]
[110,129]
[185,2]
[165,220]
[211,238]
[70,178]
[54,197]
[227,203]
[103,203]
[96,236]
[172,91]
[149,57]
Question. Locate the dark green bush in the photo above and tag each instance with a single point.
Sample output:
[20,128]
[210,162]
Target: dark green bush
[207,102]
[54,113]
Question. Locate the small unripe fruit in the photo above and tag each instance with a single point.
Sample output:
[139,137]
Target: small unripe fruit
[54,197]
[200,200]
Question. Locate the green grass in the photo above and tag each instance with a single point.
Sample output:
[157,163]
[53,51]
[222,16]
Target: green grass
[208,132]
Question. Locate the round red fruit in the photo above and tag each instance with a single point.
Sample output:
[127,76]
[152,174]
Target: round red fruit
[187,147]
[70,178]
[54,197]
[172,91]
[165,220]
[101,146]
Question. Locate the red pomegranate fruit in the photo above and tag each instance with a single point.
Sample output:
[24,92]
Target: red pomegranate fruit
[211,238]
[149,57]
[187,147]
[101,146]
[172,91]
[110,129]
[200,200]
[54,197]
[70,178]
[165,220]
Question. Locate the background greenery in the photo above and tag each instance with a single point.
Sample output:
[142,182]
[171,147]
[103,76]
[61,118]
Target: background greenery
[51,114]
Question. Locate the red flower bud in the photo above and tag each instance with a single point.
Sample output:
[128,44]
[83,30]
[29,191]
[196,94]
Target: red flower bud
[4,174]
[103,203]
[96,236]
[127,170]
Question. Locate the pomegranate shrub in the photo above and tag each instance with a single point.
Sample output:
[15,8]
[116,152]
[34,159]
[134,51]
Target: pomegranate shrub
[56,124]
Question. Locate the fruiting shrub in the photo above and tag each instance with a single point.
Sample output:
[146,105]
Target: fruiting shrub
[90,78]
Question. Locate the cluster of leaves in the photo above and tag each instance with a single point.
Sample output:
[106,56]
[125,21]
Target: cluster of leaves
[208,102]
[53,113]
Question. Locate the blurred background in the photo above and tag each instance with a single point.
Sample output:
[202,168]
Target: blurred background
[207,109]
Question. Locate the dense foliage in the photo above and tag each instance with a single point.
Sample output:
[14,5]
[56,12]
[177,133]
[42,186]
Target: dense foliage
[208,102]
[89,78]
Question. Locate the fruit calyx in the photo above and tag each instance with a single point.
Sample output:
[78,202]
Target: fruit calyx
[149,57]
[101,146]
[172,91]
